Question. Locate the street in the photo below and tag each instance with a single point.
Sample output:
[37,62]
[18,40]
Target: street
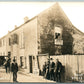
[21,77]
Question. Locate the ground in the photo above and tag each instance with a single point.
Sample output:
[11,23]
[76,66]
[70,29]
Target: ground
[21,77]
[24,77]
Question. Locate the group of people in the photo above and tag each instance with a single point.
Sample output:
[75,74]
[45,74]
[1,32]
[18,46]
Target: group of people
[52,71]
[7,65]
[12,67]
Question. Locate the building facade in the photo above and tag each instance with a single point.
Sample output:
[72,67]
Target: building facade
[50,32]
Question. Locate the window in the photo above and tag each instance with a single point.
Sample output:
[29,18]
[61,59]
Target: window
[3,42]
[21,61]
[22,43]
[9,42]
[9,54]
[14,39]
[0,43]
[57,35]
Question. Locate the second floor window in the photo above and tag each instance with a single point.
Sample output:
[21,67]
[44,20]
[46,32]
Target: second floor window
[0,43]
[57,35]
[9,41]
[22,40]
[14,39]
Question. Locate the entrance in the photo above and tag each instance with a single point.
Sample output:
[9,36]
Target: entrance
[30,63]
[2,60]
[21,61]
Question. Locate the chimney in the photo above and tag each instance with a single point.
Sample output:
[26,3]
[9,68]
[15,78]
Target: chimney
[26,19]
[8,31]
[15,26]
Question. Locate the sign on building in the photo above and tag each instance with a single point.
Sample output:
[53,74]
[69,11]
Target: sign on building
[58,42]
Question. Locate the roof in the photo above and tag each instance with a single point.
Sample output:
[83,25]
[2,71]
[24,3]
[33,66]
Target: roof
[56,6]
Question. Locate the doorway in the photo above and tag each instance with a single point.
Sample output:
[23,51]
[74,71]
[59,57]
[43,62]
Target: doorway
[21,61]
[30,63]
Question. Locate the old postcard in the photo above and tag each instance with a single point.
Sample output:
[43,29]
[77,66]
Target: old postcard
[42,42]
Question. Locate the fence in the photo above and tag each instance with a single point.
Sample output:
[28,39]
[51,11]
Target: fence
[73,64]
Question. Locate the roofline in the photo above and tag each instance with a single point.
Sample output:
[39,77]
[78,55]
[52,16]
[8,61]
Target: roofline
[18,27]
[36,17]
[27,21]
[23,24]
[78,29]
[3,36]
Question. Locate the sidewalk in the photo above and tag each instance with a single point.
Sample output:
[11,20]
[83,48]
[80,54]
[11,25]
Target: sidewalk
[29,77]
[22,76]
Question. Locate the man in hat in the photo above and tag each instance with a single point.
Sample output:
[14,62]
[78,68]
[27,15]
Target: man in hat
[52,65]
[44,69]
[14,70]
[47,70]
[58,68]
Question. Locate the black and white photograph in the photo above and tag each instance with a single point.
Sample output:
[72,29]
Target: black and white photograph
[42,42]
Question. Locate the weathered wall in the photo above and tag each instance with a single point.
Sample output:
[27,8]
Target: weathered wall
[27,43]
[3,47]
[41,60]
[72,64]
[47,20]
[30,33]
[78,44]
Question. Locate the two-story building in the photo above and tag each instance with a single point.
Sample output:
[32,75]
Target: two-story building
[50,32]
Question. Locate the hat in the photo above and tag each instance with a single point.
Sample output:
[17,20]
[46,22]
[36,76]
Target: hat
[51,59]
[14,60]
[57,59]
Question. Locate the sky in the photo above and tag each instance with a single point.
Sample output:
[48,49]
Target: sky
[13,13]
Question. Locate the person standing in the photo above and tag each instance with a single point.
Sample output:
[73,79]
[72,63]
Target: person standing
[6,66]
[14,70]
[52,65]
[44,69]
[58,68]
[47,70]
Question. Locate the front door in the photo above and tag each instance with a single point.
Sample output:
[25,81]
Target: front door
[30,63]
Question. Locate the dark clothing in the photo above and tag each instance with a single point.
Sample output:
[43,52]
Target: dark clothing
[14,67]
[6,67]
[15,76]
[44,70]
[47,72]
[14,70]
[58,71]
[52,65]
[59,66]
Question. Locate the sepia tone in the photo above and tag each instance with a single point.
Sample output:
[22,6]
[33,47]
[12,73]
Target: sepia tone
[36,44]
